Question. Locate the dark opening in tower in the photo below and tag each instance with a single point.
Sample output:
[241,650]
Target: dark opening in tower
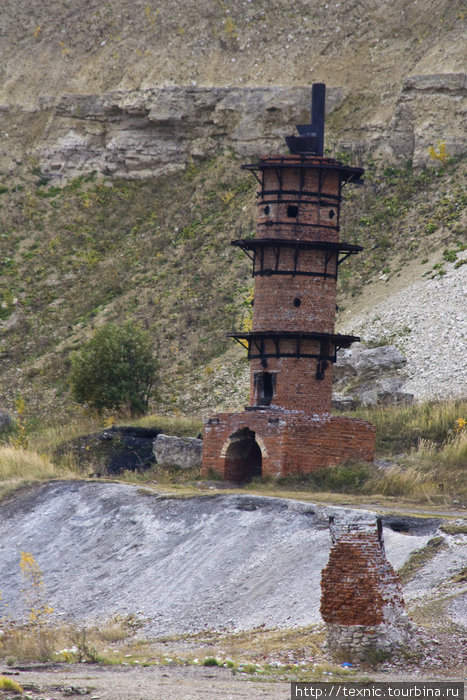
[243,459]
[265,385]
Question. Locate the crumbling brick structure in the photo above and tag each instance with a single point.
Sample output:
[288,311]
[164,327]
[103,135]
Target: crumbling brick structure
[361,595]
[288,428]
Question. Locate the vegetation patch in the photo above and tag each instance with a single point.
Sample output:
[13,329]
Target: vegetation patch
[460,577]
[420,557]
[9,684]
[454,528]
[395,200]
[344,478]
[116,368]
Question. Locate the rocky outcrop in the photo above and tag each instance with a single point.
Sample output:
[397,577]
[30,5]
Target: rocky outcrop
[5,422]
[152,132]
[155,131]
[369,376]
[171,451]
[427,320]
[112,451]
[430,111]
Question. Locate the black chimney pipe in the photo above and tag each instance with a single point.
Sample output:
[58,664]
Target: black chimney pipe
[318,101]
[311,136]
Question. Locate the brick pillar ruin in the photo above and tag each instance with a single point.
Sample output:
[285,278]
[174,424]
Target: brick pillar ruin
[361,596]
[288,427]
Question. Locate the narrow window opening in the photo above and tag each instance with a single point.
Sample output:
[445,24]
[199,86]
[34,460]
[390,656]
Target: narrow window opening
[297,301]
[267,209]
[292,211]
[322,363]
[321,368]
[265,388]
[332,214]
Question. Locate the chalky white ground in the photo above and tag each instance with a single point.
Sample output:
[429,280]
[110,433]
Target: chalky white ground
[435,311]
[184,564]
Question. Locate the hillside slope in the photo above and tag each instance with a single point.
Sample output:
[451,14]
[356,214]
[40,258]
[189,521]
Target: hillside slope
[87,46]
[120,181]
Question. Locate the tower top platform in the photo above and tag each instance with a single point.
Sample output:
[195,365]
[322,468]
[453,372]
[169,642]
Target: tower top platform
[349,173]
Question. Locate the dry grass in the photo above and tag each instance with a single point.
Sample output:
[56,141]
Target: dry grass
[432,615]
[399,428]
[29,643]
[275,653]
[431,472]
[19,467]
[9,684]
[182,426]
[259,650]
[71,643]
[47,437]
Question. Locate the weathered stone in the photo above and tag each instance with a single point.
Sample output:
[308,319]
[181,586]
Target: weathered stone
[5,421]
[425,102]
[114,450]
[367,376]
[341,402]
[173,451]
[156,131]
[377,359]
[346,361]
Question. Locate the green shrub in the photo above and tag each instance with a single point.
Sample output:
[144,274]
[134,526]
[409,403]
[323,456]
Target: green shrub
[115,369]
[348,477]
[211,661]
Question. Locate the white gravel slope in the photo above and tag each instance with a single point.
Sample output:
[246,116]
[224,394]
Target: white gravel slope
[427,321]
[183,563]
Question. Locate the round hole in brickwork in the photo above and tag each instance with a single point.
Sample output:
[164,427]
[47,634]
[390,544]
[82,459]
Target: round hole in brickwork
[267,209]
[297,301]
[332,214]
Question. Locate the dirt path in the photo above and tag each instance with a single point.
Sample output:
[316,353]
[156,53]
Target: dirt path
[150,683]
[55,682]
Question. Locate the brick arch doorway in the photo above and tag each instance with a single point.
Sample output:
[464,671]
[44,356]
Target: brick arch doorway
[243,458]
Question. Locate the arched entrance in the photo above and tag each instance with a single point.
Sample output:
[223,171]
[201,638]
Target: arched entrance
[243,457]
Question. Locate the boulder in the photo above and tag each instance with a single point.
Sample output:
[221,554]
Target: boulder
[346,361]
[369,377]
[5,421]
[375,360]
[341,402]
[171,451]
[114,450]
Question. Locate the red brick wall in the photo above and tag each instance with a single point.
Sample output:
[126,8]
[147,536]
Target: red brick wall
[296,434]
[273,223]
[291,441]
[274,300]
[297,386]
[358,585]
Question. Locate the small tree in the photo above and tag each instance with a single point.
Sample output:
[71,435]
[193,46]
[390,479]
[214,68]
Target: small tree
[116,368]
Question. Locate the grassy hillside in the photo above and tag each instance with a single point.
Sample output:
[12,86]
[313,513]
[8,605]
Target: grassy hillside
[153,251]
[158,251]
[90,46]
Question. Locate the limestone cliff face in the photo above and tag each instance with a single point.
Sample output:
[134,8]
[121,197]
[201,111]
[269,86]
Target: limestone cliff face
[155,131]
[132,89]
[430,108]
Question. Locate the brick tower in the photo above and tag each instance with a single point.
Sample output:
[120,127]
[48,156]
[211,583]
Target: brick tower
[288,428]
